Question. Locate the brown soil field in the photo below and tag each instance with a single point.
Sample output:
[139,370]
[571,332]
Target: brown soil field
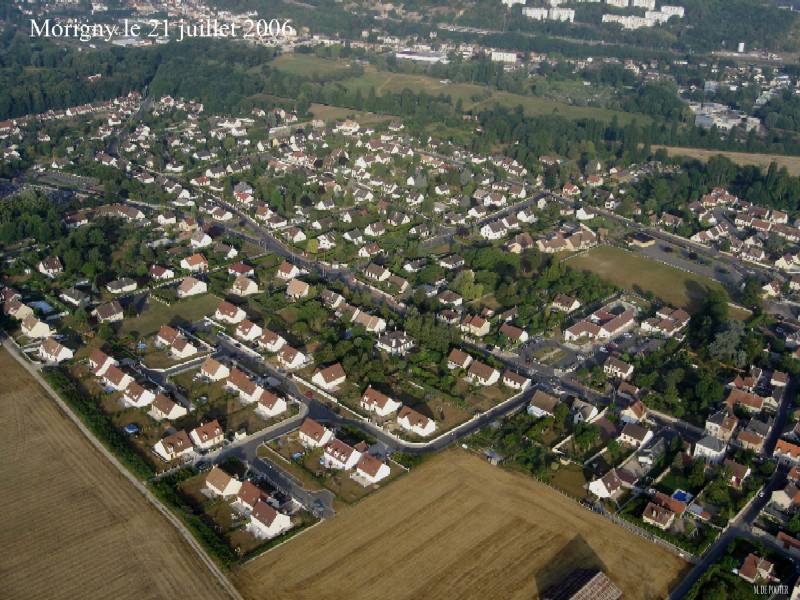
[792,163]
[72,526]
[458,527]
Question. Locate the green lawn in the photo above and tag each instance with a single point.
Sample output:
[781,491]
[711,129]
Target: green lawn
[633,272]
[157,314]
[307,64]
[397,82]
[672,482]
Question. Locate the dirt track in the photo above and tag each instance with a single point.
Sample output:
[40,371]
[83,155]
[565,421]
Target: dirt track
[72,526]
[458,528]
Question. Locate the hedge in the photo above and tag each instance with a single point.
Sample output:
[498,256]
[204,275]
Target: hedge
[99,423]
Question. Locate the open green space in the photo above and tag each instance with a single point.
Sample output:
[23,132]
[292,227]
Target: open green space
[639,274]
[308,64]
[397,82]
[157,314]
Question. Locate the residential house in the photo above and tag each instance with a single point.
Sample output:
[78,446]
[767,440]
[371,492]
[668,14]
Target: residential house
[738,472]
[243,286]
[248,331]
[207,435]
[266,522]
[475,325]
[633,413]
[371,469]
[458,359]
[162,408]
[787,453]
[613,367]
[228,313]
[565,304]
[291,359]
[34,328]
[297,289]
[270,405]
[219,483]
[50,267]
[754,568]
[395,343]
[658,516]
[374,401]
[329,378]
[136,396]
[52,352]
[196,263]
[174,446]
[709,448]
[515,334]
[515,381]
[109,313]
[542,404]
[635,435]
[214,370]
[721,425]
[607,485]
[482,373]
[270,341]
[191,287]
[314,435]
[338,455]
[414,422]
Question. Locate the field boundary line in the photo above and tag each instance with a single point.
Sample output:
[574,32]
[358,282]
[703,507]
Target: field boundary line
[216,572]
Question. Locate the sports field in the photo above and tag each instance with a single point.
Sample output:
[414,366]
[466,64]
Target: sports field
[792,163]
[458,527]
[72,526]
[631,271]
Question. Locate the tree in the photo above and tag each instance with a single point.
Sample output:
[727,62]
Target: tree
[726,346]
[106,332]
[696,473]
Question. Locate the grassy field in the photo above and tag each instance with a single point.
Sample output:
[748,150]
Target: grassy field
[540,106]
[633,272]
[458,528]
[792,163]
[307,64]
[397,82]
[157,314]
[72,526]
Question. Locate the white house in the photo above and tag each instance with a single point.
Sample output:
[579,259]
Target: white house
[214,370]
[412,421]
[207,435]
[330,378]
[174,446]
[635,435]
[219,483]
[270,341]
[191,287]
[606,486]
[338,455]
[709,448]
[289,358]
[244,286]
[228,313]
[374,401]
[314,435]
[270,405]
[483,374]
[266,522]
[371,469]
[53,352]
[34,328]
[164,409]
[542,404]
[248,331]
[195,263]
[136,396]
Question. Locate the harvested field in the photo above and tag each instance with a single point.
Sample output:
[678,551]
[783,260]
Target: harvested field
[458,528]
[631,271]
[72,526]
[792,163]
